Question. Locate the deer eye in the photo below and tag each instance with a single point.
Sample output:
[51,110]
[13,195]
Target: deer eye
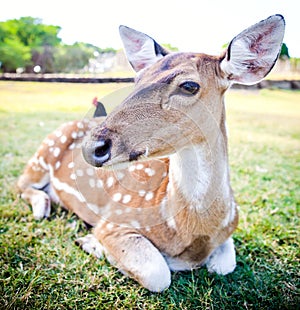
[189,87]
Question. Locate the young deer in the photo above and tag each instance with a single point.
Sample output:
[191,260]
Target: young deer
[173,209]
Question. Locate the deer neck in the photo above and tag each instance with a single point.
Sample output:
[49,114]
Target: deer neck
[199,172]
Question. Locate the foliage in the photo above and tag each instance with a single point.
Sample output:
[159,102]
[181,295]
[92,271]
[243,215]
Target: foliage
[70,58]
[27,43]
[14,54]
[284,52]
[41,268]
[170,48]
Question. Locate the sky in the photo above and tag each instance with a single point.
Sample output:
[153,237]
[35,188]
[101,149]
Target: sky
[190,25]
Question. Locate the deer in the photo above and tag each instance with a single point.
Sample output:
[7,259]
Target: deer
[152,177]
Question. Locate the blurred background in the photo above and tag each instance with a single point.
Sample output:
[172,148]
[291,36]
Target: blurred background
[82,38]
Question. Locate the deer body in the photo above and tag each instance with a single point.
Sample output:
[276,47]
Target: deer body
[172,209]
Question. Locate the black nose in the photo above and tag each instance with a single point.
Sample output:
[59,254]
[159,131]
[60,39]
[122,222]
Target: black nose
[97,152]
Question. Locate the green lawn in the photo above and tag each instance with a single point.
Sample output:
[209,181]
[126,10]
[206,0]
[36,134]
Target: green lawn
[42,268]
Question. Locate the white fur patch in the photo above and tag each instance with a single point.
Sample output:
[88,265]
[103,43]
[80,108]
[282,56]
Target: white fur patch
[190,171]
[91,245]
[61,186]
[41,205]
[222,260]
[176,264]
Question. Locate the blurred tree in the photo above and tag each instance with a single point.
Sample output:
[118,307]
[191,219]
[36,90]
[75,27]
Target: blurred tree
[25,43]
[33,33]
[30,44]
[71,58]
[13,55]
[284,53]
[170,48]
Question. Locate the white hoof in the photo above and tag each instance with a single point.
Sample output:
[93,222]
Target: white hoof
[91,245]
[222,260]
[156,277]
[41,206]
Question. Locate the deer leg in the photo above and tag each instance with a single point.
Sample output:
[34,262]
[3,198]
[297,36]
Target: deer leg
[39,201]
[91,245]
[222,260]
[32,186]
[136,257]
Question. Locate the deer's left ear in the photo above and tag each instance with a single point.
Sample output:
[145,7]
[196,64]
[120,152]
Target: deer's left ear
[141,50]
[252,54]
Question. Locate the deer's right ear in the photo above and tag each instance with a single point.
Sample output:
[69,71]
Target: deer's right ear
[141,50]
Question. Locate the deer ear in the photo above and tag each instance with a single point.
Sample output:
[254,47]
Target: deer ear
[252,54]
[141,50]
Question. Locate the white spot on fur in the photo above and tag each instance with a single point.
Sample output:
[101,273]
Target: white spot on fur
[90,171]
[142,193]
[80,125]
[120,175]
[139,166]
[72,146]
[110,226]
[149,196]
[126,198]
[73,176]
[57,165]
[110,182]
[99,183]
[92,183]
[79,172]
[58,133]
[150,172]
[119,212]
[131,168]
[171,222]
[80,134]
[56,151]
[63,139]
[50,142]
[135,224]
[74,135]
[71,165]
[117,197]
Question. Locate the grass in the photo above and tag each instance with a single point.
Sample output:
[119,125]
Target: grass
[41,268]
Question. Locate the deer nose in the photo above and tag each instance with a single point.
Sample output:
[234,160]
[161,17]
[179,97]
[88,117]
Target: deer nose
[97,152]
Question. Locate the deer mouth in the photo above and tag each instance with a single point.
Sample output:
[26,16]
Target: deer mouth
[99,153]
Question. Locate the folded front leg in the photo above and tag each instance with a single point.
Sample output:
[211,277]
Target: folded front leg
[135,256]
[39,200]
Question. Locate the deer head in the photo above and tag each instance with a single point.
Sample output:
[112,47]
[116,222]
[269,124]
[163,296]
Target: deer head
[178,97]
